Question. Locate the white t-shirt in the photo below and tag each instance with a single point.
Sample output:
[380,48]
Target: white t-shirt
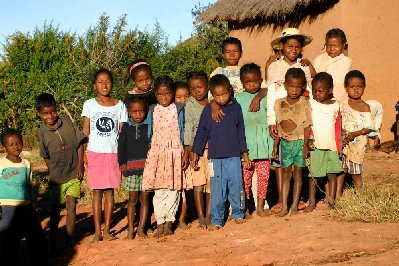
[104,125]
[324,117]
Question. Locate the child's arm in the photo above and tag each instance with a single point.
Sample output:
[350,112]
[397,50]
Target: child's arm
[352,135]
[217,113]
[247,161]
[306,142]
[185,159]
[275,149]
[86,132]
[255,103]
[202,134]
[80,168]
[306,62]
[122,149]
[271,114]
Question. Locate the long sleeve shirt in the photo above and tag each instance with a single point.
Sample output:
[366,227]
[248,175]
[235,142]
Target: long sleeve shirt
[225,138]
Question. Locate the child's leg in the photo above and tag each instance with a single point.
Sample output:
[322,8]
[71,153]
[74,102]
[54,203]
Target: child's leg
[159,201]
[71,218]
[297,188]
[231,168]
[183,214]
[131,212]
[172,205]
[312,195]
[287,173]
[208,208]
[144,209]
[108,212]
[262,169]
[218,192]
[54,221]
[340,185]
[199,205]
[97,210]
[280,181]
[358,180]
[247,176]
[332,184]
[9,235]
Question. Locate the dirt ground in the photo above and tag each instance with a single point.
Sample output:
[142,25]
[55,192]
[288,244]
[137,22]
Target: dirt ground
[303,239]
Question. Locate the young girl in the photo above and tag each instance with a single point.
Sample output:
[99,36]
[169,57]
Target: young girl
[133,145]
[182,95]
[334,62]
[163,169]
[260,144]
[103,118]
[293,118]
[356,124]
[141,74]
[324,155]
[198,83]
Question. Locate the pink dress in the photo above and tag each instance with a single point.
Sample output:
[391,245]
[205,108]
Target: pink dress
[163,165]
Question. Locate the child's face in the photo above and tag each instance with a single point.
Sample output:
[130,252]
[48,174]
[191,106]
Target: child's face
[13,145]
[198,88]
[103,84]
[48,115]
[143,80]
[221,94]
[164,95]
[292,48]
[231,54]
[182,94]
[251,82]
[355,88]
[320,91]
[294,87]
[137,112]
[334,47]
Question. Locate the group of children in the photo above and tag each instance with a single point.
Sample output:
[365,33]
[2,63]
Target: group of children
[217,137]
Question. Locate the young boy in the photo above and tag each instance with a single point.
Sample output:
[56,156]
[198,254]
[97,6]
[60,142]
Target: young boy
[60,143]
[293,117]
[226,145]
[324,155]
[18,218]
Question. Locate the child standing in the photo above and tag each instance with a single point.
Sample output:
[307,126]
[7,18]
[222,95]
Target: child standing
[18,218]
[60,143]
[257,135]
[133,145]
[141,74]
[356,124]
[198,84]
[334,62]
[324,155]
[103,118]
[293,117]
[227,144]
[163,169]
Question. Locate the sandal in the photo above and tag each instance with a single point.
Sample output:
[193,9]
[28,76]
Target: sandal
[277,208]
[301,205]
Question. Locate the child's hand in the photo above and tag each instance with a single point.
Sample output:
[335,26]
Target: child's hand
[273,58]
[305,151]
[247,161]
[275,153]
[80,171]
[194,161]
[305,62]
[217,113]
[349,137]
[255,105]
[185,161]
[273,131]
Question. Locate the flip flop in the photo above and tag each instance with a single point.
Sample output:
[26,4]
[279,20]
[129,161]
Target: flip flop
[301,205]
[277,208]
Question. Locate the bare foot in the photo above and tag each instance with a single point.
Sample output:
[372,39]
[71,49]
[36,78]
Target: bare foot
[160,230]
[184,226]
[130,235]
[202,224]
[208,220]
[109,237]
[293,210]
[283,212]
[97,238]
[168,229]
[263,213]
[309,208]
[214,227]
[239,221]
[140,233]
[248,215]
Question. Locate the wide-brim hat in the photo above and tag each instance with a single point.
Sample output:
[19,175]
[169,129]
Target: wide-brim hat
[290,32]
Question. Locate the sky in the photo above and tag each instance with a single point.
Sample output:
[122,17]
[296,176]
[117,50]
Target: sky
[77,16]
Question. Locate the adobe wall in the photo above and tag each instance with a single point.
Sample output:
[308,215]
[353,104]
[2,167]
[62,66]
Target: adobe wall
[373,36]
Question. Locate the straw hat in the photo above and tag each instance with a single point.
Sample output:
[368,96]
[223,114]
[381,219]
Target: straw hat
[290,32]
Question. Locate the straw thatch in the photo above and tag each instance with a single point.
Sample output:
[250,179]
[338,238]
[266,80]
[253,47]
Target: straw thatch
[261,11]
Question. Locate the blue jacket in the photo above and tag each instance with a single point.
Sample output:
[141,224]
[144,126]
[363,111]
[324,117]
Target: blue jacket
[225,138]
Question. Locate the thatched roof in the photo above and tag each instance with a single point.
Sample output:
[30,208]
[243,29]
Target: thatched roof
[261,11]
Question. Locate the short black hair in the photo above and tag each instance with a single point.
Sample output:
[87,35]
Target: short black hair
[252,67]
[296,73]
[102,71]
[300,39]
[132,98]
[336,33]
[232,40]
[10,132]
[354,74]
[165,81]
[45,100]
[181,84]
[198,75]
[325,78]
[139,65]
[219,80]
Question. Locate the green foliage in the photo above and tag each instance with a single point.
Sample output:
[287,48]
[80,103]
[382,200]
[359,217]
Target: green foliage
[62,63]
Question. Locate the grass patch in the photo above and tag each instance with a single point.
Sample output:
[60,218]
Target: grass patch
[375,203]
